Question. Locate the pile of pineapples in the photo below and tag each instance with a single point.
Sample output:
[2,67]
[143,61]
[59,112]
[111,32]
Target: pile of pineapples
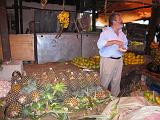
[87,101]
[131,58]
[74,79]
[155,53]
[30,98]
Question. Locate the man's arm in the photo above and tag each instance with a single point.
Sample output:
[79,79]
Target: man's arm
[116,42]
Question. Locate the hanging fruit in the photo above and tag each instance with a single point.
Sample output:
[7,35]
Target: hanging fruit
[63,19]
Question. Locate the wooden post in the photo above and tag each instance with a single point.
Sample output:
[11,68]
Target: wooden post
[93,16]
[4,31]
[155,15]
[16,15]
[21,16]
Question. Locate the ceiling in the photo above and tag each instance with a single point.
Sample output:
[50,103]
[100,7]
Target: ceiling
[130,10]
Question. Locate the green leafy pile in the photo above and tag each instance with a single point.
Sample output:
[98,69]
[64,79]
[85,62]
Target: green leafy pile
[48,103]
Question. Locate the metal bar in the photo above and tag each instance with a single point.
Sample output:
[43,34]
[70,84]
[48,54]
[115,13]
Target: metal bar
[134,8]
[25,7]
[93,16]
[21,16]
[132,1]
[16,16]
[4,31]
[35,42]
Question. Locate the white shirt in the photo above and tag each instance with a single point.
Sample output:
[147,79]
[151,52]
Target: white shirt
[108,34]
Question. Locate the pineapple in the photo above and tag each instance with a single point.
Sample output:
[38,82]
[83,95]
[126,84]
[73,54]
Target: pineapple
[83,83]
[35,96]
[14,110]
[23,99]
[11,97]
[88,77]
[95,78]
[25,80]
[100,95]
[71,102]
[16,77]
[15,88]
[59,87]
[73,85]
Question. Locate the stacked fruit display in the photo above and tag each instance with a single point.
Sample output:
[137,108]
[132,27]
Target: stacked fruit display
[90,63]
[155,52]
[136,46]
[132,58]
[154,66]
[151,97]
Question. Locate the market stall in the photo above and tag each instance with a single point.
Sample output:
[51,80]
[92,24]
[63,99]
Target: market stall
[57,75]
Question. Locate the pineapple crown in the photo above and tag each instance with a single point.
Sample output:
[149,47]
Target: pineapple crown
[59,87]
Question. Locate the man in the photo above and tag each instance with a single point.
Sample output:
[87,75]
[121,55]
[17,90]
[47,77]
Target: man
[112,44]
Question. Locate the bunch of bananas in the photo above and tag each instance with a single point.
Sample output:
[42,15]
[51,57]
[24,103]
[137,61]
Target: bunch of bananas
[135,43]
[63,18]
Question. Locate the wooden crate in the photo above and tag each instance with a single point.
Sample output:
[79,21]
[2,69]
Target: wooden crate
[1,53]
[22,47]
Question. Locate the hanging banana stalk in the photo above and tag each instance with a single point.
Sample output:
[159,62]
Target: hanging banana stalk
[60,31]
[63,19]
[43,3]
[61,24]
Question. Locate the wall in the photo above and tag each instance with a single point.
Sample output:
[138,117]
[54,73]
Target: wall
[29,12]
[89,44]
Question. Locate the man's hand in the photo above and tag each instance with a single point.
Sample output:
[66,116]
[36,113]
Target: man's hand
[117,42]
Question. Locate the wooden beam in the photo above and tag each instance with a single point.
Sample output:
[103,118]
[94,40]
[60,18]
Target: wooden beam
[131,1]
[16,15]
[21,15]
[4,31]
[93,16]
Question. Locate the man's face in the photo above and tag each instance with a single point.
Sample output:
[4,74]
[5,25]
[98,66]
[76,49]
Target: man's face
[118,23]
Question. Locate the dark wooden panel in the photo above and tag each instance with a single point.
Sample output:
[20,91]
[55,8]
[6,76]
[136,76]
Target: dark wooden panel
[136,32]
[45,21]
[4,30]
